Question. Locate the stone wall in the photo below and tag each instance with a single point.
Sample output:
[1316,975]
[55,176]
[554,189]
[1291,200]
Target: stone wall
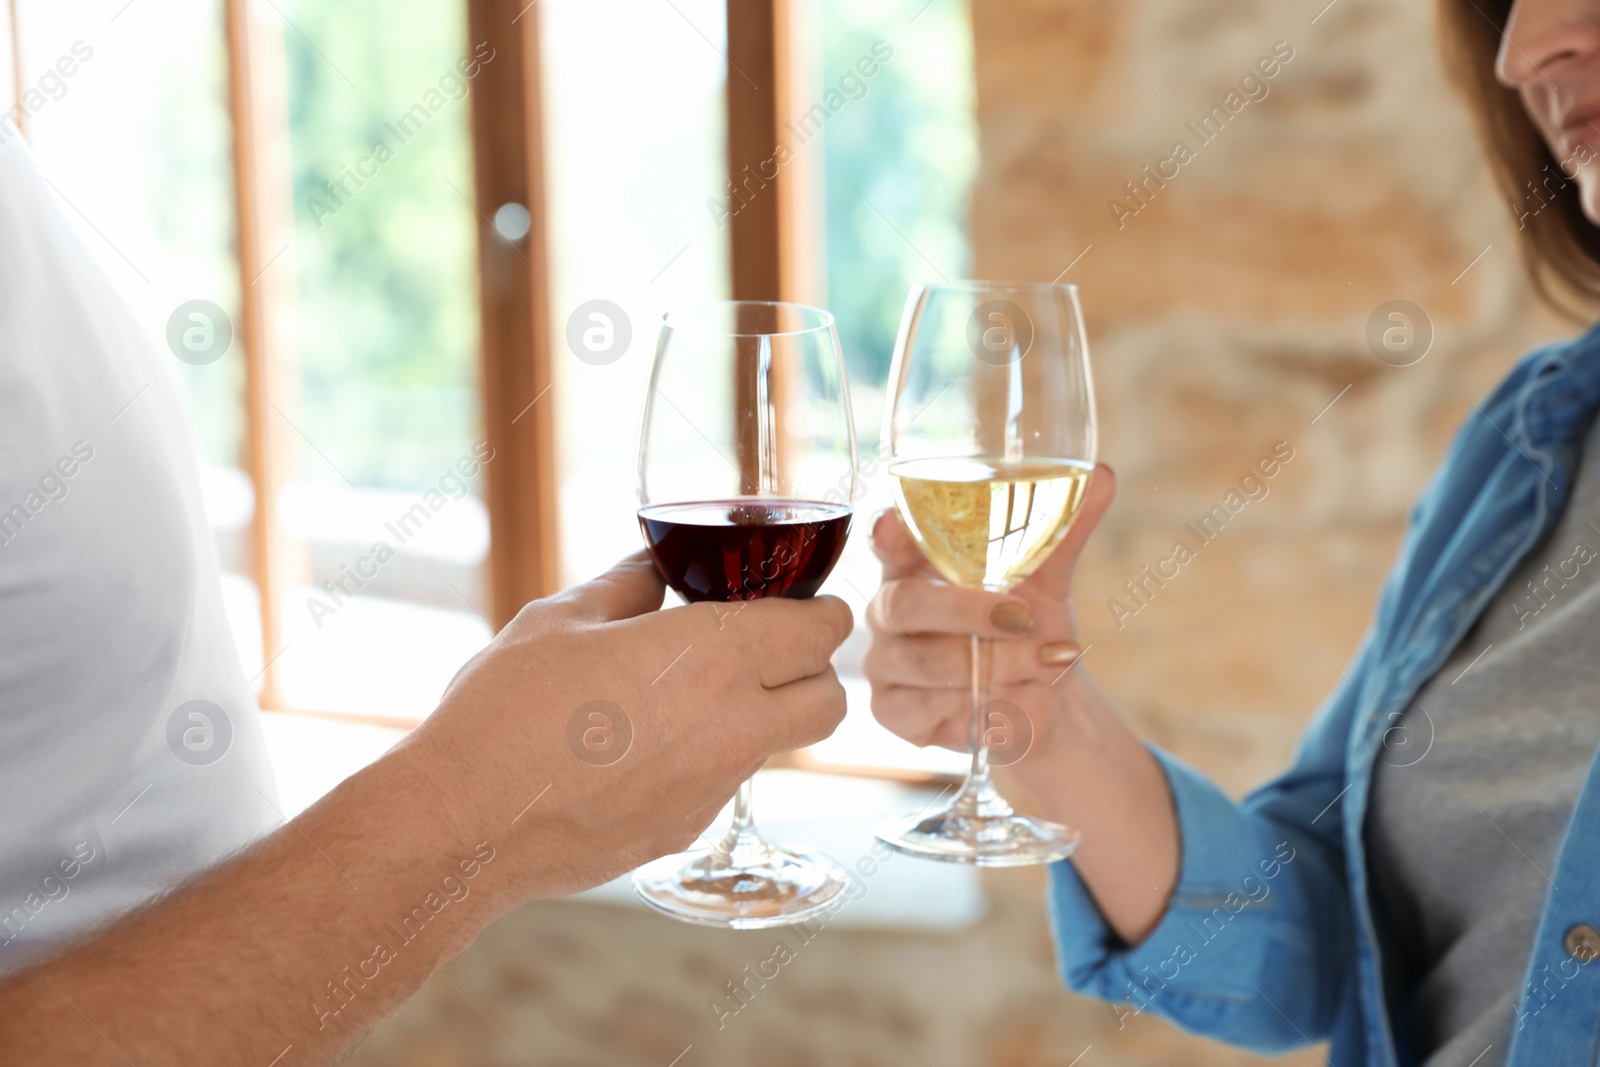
[1227,312]
[1229,307]
[577,985]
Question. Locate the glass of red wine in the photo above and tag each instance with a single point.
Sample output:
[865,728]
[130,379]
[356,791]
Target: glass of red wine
[747,467]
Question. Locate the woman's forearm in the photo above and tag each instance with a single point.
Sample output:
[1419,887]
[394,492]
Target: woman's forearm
[1091,771]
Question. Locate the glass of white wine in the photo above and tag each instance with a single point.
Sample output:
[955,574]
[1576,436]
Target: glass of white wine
[990,426]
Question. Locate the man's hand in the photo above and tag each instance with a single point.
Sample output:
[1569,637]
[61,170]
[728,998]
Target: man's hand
[641,723]
[293,949]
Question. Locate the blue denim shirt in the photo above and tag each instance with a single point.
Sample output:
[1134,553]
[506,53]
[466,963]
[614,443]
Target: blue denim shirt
[1271,939]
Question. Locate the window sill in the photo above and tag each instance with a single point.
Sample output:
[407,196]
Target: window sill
[836,815]
[833,813]
[312,753]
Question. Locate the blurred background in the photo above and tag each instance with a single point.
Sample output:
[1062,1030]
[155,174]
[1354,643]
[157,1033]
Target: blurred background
[332,179]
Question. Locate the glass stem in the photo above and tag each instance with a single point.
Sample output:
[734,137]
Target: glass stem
[978,795]
[742,845]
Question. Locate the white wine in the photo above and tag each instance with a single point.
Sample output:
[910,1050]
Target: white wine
[985,522]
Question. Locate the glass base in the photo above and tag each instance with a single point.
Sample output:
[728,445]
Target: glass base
[1001,839]
[778,887]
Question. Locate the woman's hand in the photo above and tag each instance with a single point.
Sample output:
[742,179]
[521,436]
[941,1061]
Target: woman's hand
[919,660]
[1080,763]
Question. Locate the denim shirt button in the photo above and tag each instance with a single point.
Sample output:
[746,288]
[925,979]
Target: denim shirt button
[1583,942]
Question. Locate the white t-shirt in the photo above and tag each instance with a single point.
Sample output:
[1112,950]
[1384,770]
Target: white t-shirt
[131,753]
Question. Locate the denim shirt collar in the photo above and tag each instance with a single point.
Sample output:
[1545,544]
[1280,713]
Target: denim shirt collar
[1561,394]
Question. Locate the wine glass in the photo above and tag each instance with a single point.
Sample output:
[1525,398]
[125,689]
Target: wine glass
[747,470]
[990,427]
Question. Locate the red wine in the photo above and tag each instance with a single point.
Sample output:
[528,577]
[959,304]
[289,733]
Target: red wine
[743,549]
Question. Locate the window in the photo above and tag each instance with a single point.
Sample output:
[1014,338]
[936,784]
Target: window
[897,158]
[363,275]
[404,213]
[640,216]
[635,147]
[387,595]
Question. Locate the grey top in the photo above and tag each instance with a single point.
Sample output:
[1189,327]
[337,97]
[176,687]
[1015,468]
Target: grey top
[1475,786]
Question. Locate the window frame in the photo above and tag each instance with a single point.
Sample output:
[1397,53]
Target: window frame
[773,255]
[514,315]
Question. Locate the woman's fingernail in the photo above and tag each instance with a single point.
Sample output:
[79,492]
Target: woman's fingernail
[877,521]
[1012,617]
[1058,653]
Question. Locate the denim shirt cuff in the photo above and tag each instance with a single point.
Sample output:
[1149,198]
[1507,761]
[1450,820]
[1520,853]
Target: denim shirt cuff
[1206,945]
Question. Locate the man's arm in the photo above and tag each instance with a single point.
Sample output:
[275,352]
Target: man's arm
[298,944]
[292,950]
